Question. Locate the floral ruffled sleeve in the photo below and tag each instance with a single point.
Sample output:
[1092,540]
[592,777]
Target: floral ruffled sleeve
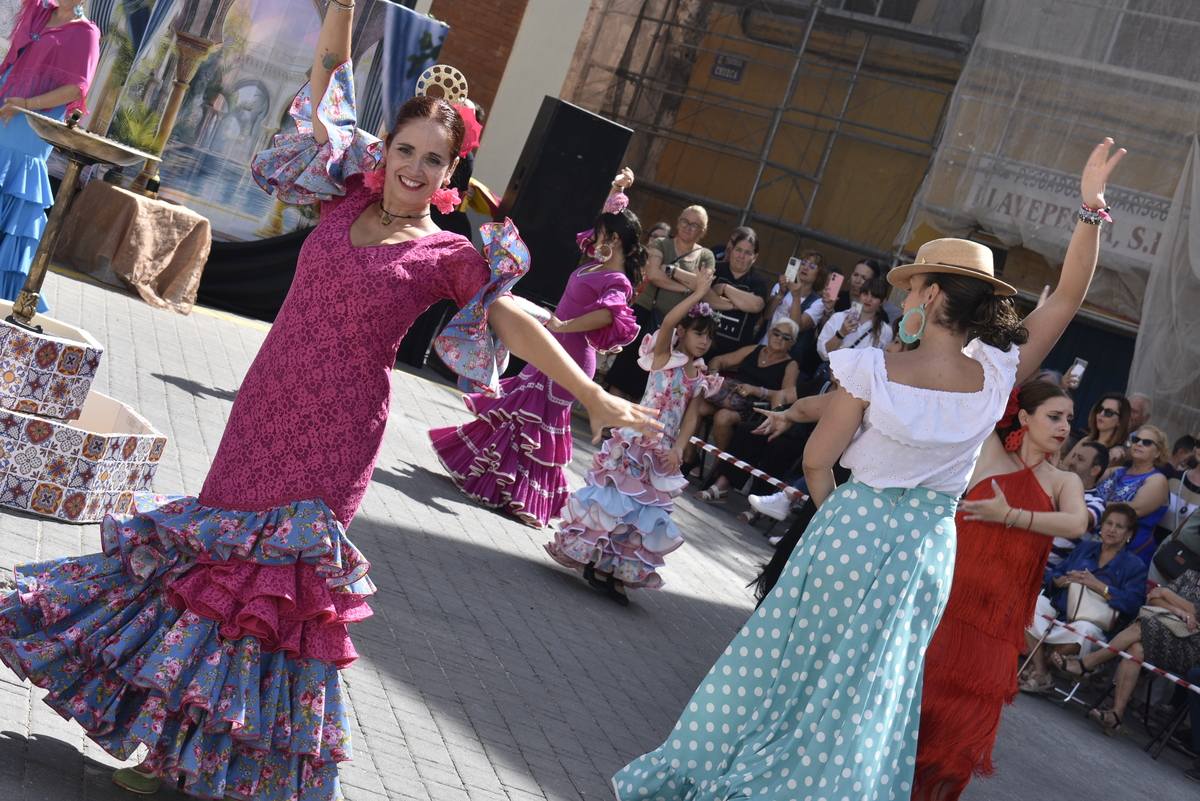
[302,172]
[467,345]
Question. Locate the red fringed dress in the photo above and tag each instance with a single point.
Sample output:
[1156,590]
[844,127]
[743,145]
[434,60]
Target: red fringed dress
[971,665]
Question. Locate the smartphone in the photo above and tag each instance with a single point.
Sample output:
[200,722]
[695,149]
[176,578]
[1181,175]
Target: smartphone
[793,269]
[835,285]
[1075,374]
[855,312]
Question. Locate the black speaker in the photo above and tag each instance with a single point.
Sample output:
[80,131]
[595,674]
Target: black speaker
[557,189]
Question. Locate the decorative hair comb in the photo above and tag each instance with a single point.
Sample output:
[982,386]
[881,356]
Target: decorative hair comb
[454,91]
[700,310]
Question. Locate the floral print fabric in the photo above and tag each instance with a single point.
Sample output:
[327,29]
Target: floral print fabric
[123,649]
[620,522]
[300,171]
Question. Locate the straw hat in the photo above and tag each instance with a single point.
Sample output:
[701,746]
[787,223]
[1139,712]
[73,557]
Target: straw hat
[957,256]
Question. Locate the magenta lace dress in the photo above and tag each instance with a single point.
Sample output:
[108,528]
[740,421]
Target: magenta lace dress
[212,629]
[512,455]
[621,521]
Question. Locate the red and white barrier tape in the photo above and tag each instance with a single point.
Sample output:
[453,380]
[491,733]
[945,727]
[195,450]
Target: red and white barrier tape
[754,471]
[1156,670]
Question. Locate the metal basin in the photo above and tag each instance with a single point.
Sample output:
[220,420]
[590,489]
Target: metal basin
[83,145]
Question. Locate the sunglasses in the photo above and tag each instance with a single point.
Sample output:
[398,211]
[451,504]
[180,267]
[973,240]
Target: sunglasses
[1108,412]
[1146,442]
[782,335]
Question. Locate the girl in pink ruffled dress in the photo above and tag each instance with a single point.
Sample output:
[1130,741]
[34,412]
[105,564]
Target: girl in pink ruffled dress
[617,529]
[212,630]
[512,455]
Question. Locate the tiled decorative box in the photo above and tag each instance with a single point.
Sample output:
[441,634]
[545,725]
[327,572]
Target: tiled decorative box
[79,471]
[48,374]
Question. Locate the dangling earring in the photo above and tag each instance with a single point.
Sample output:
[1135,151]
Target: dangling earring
[1013,441]
[904,335]
[78,11]
[604,252]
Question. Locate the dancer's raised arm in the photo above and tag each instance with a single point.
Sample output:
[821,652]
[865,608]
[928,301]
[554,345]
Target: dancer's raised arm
[1047,322]
[333,49]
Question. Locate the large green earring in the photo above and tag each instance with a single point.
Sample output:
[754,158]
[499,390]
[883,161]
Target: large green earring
[906,337]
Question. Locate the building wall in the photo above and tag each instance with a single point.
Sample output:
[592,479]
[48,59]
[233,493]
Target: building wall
[541,56]
[480,41]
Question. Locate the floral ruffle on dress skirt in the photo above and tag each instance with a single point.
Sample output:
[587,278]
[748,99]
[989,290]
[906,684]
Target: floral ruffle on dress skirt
[621,521]
[212,636]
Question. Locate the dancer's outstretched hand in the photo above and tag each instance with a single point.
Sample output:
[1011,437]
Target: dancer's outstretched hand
[1095,175]
[775,424]
[609,411]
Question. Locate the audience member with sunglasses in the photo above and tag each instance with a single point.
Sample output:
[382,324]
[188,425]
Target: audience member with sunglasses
[1108,422]
[1142,485]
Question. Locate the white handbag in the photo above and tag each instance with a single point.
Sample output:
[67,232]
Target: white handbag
[1084,603]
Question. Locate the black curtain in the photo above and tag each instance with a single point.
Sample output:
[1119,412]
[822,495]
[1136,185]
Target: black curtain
[251,278]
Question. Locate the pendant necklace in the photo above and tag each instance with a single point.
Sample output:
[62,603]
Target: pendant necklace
[387,217]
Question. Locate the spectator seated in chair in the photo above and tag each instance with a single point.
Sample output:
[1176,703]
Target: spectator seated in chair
[1164,635]
[1088,460]
[1106,568]
[758,370]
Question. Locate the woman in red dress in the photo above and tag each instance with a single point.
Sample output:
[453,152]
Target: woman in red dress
[1014,507]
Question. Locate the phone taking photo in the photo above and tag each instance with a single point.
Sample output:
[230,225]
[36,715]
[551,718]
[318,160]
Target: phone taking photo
[1075,374]
[835,285]
[793,270]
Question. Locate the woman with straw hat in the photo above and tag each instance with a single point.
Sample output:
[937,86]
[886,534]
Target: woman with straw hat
[819,693]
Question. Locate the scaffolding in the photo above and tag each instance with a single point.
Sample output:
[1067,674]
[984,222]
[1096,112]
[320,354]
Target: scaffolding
[781,114]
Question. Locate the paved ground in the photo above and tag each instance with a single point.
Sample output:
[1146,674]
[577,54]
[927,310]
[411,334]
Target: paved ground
[488,672]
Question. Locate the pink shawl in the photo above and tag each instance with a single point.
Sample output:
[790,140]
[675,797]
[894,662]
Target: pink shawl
[42,59]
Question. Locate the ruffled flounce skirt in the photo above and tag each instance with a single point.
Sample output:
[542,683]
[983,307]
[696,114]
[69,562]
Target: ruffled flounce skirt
[24,197]
[211,636]
[512,455]
[621,521]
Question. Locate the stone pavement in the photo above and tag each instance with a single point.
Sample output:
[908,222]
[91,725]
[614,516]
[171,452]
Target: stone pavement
[488,672]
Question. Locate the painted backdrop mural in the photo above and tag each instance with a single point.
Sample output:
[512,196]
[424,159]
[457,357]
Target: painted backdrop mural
[240,63]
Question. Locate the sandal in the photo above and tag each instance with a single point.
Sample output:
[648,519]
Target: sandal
[1061,662]
[747,516]
[712,495]
[1036,683]
[1101,718]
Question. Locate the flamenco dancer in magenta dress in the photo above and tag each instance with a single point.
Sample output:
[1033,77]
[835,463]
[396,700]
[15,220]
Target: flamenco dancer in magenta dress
[48,69]
[819,695]
[618,529]
[1017,502]
[512,455]
[212,629]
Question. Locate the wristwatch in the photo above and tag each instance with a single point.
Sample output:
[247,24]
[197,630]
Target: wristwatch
[669,270]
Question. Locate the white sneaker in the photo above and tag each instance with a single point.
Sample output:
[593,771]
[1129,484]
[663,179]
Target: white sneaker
[775,506]
[774,541]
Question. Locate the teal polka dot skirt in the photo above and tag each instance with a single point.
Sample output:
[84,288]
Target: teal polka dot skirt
[819,694]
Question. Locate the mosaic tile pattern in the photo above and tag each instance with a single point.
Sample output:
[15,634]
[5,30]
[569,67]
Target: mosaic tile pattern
[44,375]
[49,468]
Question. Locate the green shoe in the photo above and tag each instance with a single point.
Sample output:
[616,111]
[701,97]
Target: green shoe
[136,782]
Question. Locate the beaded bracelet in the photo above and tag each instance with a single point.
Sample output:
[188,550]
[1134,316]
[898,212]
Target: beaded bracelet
[1092,216]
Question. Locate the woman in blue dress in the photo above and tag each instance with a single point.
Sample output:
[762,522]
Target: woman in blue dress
[818,695]
[48,69]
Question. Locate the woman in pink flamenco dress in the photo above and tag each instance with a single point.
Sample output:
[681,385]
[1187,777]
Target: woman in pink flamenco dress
[512,455]
[212,629]
[617,530]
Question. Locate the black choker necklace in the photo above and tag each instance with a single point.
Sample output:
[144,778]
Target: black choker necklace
[387,217]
